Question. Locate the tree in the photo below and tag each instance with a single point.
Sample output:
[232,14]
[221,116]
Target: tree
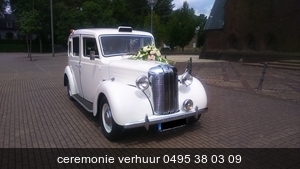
[122,13]
[158,28]
[67,16]
[39,6]
[135,13]
[201,20]
[171,35]
[29,23]
[181,27]
[163,9]
[187,25]
[138,11]
[94,18]
[175,28]
[161,14]
[3,4]
[30,17]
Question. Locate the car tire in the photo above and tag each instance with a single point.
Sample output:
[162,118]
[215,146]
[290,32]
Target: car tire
[111,130]
[191,120]
[69,93]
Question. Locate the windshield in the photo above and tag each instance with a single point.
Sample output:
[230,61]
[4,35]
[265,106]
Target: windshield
[113,45]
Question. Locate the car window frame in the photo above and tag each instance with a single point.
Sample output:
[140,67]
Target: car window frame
[84,47]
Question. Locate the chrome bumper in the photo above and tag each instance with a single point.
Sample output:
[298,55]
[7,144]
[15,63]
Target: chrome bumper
[156,119]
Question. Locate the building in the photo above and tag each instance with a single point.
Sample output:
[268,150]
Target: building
[253,30]
[8,29]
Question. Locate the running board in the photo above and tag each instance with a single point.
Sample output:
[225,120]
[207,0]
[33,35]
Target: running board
[88,106]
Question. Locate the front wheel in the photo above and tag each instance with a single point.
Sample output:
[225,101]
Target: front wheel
[111,130]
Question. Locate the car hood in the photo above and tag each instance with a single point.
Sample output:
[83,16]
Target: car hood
[128,70]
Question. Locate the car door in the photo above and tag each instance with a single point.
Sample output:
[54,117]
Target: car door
[90,69]
[74,61]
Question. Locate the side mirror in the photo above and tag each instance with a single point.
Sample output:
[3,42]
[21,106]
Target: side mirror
[92,55]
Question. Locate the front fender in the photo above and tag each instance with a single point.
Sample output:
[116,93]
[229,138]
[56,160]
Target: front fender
[70,77]
[127,103]
[195,92]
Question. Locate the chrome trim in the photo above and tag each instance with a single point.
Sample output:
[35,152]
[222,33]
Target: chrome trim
[164,84]
[142,79]
[185,78]
[156,119]
[186,103]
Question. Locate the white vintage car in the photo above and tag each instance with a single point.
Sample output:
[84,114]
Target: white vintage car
[128,93]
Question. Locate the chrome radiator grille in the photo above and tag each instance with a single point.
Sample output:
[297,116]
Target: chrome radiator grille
[164,84]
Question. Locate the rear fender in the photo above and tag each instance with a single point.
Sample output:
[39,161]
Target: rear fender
[69,77]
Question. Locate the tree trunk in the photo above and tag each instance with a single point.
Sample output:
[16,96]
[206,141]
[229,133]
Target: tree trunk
[182,49]
[41,44]
[30,45]
[27,43]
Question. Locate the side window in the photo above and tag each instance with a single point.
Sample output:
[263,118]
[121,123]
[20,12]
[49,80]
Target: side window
[90,47]
[76,46]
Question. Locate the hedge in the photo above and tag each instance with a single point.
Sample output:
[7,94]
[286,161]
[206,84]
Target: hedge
[23,48]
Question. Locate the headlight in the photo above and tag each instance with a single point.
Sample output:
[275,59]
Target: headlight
[142,83]
[188,105]
[187,79]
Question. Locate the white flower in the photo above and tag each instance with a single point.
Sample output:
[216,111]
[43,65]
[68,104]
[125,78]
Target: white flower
[152,52]
[158,53]
[145,48]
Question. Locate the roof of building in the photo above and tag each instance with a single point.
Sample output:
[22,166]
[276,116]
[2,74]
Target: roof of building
[216,17]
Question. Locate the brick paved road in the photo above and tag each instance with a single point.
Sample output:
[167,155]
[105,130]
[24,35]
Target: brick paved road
[35,110]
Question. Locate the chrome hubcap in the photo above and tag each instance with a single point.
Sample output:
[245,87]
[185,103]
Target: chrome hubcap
[107,118]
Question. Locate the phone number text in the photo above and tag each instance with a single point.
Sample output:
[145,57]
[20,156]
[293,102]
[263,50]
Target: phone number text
[203,159]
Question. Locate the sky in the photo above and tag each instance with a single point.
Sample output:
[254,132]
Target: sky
[200,6]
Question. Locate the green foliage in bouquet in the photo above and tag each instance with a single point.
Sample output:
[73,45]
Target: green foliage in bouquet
[149,52]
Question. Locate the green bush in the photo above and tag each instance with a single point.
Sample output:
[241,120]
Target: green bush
[12,48]
[12,41]
[19,41]
[23,48]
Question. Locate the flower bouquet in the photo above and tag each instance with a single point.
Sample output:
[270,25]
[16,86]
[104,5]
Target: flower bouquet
[149,52]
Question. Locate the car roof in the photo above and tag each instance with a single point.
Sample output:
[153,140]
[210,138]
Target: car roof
[107,31]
